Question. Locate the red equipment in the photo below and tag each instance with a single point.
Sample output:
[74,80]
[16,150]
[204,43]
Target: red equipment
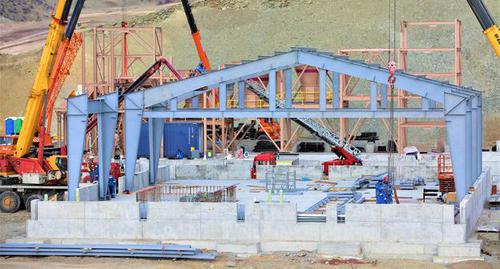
[344,158]
[445,174]
[265,158]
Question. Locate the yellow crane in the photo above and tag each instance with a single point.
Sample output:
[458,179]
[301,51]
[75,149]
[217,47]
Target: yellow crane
[42,79]
[490,28]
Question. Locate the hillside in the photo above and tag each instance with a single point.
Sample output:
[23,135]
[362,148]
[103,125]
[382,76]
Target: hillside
[38,10]
[233,30]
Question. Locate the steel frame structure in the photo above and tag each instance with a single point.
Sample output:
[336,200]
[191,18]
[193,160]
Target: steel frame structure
[119,55]
[380,56]
[461,108]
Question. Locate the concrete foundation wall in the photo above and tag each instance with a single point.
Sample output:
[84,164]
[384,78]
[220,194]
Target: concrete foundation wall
[473,203]
[141,177]
[413,230]
[309,165]
[211,169]
[88,192]
[312,171]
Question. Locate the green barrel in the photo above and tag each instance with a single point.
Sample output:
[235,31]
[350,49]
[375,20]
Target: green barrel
[18,124]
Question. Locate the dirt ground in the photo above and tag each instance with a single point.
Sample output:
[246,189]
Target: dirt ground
[13,226]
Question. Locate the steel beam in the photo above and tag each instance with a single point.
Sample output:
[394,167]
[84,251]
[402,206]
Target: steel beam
[76,125]
[222,96]
[241,94]
[133,117]
[456,124]
[271,85]
[231,74]
[434,90]
[383,96]
[373,96]
[155,135]
[106,108]
[295,113]
[322,90]
[336,91]
[288,88]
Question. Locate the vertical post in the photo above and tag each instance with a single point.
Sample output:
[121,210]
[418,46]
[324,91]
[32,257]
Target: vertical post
[76,121]
[336,92]
[288,88]
[133,116]
[373,96]
[107,117]
[479,120]
[155,135]
[456,125]
[322,89]
[241,94]
[195,102]
[469,159]
[425,103]
[383,96]
[272,90]
[173,104]
[222,96]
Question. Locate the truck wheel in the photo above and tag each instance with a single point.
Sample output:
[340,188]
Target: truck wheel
[30,198]
[9,201]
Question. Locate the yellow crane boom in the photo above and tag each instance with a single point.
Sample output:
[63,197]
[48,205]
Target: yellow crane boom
[41,85]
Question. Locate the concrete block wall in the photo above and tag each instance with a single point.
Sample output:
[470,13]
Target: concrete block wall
[141,177]
[213,169]
[312,170]
[85,220]
[369,230]
[309,166]
[473,203]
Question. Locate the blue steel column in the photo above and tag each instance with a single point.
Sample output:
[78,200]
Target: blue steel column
[155,135]
[241,94]
[373,96]
[455,110]
[272,90]
[106,129]
[469,144]
[322,89]
[426,104]
[336,91]
[288,88]
[479,120]
[383,96]
[76,124]
[133,116]
[475,146]
[195,102]
[222,96]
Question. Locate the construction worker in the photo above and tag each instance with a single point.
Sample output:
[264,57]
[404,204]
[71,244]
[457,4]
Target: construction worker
[92,167]
[200,69]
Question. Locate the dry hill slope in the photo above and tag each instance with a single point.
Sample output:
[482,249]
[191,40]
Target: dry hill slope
[233,30]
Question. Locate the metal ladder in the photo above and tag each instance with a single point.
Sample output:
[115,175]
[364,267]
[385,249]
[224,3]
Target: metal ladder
[309,124]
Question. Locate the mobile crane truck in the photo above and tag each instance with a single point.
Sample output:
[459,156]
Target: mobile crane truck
[25,173]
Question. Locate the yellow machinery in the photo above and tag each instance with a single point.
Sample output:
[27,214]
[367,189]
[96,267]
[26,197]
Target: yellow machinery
[490,28]
[41,85]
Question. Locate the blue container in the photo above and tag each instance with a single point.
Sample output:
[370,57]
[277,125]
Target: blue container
[183,137]
[177,136]
[143,150]
[9,126]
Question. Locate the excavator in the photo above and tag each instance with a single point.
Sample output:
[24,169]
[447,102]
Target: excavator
[25,173]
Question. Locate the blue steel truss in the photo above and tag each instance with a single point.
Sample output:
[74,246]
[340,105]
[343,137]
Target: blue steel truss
[461,107]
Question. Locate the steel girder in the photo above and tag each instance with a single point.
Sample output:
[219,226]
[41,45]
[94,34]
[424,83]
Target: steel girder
[79,107]
[461,106]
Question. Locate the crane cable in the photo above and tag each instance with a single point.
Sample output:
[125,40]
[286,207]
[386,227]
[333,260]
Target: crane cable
[391,80]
